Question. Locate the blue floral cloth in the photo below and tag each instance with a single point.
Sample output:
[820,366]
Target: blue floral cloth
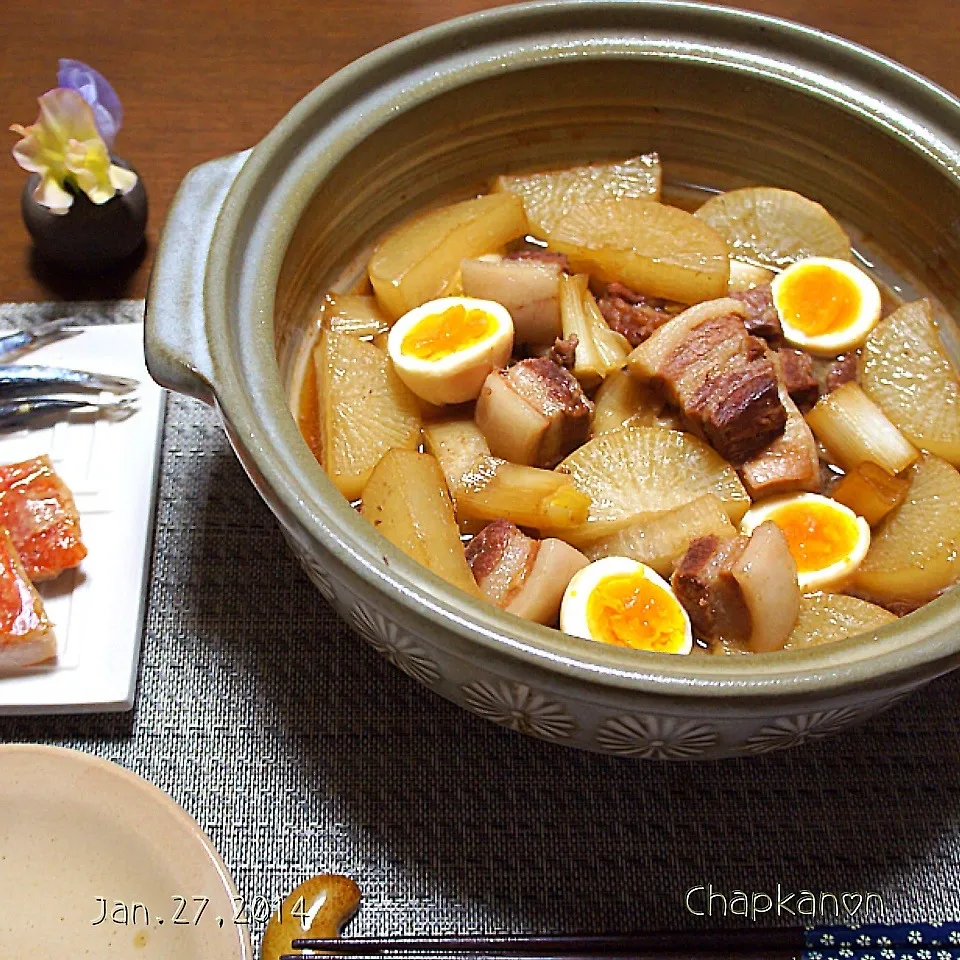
[905,941]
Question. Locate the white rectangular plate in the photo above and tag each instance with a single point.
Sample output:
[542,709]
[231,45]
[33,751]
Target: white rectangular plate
[111,467]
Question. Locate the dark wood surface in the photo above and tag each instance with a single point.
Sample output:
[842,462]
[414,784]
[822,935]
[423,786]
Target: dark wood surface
[202,78]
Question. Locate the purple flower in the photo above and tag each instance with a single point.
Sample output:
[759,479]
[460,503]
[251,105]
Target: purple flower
[95,89]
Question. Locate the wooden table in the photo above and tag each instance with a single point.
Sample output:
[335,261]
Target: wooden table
[201,78]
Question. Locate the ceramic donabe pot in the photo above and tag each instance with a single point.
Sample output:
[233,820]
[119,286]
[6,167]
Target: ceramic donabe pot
[727,98]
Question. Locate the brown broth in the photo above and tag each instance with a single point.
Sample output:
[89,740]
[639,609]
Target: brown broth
[308,411]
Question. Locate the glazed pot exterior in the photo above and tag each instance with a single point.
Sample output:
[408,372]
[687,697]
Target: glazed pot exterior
[728,98]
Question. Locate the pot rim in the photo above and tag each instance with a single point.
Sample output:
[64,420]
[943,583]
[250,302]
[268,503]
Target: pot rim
[241,283]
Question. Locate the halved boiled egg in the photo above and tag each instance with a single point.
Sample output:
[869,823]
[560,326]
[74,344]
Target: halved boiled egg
[623,602]
[827,540]
[444,349]
[825,306]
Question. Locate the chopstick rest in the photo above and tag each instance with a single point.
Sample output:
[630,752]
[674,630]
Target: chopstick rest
[319,907]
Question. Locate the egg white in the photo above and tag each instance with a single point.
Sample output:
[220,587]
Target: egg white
[836,572]
[573,608]
[830,344]
[459,376]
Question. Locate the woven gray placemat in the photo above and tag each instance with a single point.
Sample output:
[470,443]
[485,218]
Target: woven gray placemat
[23,316]
[300,751]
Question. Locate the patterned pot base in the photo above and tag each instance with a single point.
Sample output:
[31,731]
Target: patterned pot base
[594,725]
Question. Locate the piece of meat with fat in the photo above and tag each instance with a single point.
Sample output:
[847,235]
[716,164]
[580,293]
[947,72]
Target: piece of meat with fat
[26,636]
[540,255]
[634,315]
[740,409]
[762,319]
[500,556]
[741,589]
[843,370]
[564,351]
[797,377]
[521,575]
[533,413]
[528,288]
[719,376]
[704,584]
[791,462]
[39,512]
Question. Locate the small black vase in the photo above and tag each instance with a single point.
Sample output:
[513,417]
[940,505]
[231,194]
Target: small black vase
[89,236]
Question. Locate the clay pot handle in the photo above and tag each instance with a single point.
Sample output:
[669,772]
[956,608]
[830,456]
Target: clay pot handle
[175,339]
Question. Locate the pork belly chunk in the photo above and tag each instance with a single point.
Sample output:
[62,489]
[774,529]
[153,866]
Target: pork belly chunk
[796,375]
[564,351]
[704,584]
[500,557]
[791,462]
[634,315]
[705,363]
[843,370]
[528,287]
[740,588]
[521,575]
[540,255]
[533,413]
[761,318]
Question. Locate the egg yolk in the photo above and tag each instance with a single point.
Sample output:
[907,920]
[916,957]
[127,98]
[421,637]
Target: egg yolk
[628,610]
[441,334]
[818,300]
[816,535]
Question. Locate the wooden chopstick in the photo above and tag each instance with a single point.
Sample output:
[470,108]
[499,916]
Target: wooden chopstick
[773,943]
[635,955]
